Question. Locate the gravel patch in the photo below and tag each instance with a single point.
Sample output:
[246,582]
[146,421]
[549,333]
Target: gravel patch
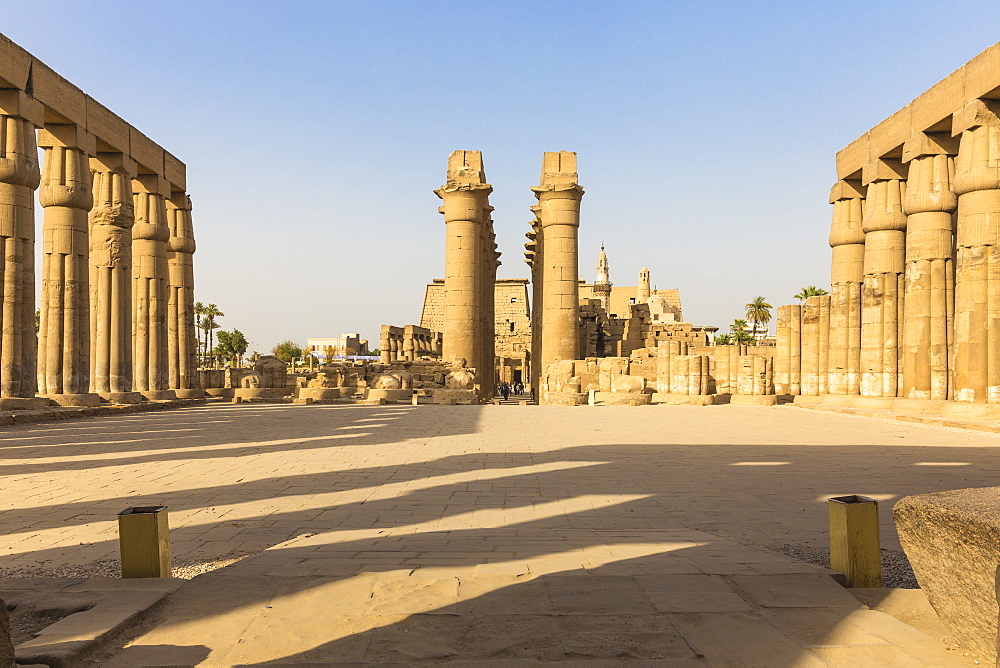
[111,568]
[896,570]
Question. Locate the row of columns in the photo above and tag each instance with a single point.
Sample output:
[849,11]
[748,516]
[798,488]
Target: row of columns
[116,312]
[471,261]
[914,305]
[408,343]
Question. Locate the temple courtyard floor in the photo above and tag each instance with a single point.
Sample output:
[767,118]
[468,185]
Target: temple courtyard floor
[475,534]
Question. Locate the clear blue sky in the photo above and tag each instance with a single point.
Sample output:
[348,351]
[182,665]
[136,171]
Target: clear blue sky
[315,133]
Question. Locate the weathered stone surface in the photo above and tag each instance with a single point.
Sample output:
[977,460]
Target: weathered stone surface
[953,542]
[6,647]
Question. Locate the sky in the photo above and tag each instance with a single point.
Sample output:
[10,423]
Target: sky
[314,133]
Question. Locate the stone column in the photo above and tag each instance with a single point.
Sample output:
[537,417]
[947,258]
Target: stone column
[814,345]
[977,260]
[111,221]
[64,315]
[847,241]
[19,176]
[465,195]
[559,198]
[384,354]
[930,272]
[533,255]
[884,226]
[182,352]
[150,274]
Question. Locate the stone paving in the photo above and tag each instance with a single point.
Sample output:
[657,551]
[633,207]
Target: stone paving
[403,534]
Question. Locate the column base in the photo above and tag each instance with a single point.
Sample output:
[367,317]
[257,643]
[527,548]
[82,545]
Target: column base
[190,393]
[158,395]
[122,397]
[23,403]
[872,402]
[837,399]
[75,400]
[906,405]
[807,399]
[962,409]
[754,400]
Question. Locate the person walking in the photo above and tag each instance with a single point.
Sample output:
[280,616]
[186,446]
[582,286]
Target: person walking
[505,391]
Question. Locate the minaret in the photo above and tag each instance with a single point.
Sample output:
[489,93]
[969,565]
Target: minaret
[642,294]
[602,286]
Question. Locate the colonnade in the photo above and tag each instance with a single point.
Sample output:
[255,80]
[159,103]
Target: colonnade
[115,319]
[914,306]
[408,343]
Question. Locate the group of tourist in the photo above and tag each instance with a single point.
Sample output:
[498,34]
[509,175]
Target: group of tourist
[506,389]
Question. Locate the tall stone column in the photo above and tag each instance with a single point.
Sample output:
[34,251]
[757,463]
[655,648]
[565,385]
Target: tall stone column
[977,262]
[19,176]
[465,196]
[111,221]
[64,316]
[930,273]
[847,243]
[533,256]
[150,274]
[182,353]
[559,196]
[882,294]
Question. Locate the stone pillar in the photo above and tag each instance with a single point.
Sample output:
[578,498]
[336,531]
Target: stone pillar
[930,272]
[465,195]
[533,256]
[150,274]
[559,198]
[182,352]
[976,347]
[847,241]
[384,354]
[884,226]
[111,221]
[814,345]
[64,315]
[19,176]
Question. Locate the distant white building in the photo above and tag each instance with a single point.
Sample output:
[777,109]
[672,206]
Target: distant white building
[346,345]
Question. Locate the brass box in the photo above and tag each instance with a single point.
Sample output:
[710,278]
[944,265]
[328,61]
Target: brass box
[144,541]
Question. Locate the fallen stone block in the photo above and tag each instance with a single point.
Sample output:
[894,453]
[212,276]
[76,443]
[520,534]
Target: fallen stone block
[952,540]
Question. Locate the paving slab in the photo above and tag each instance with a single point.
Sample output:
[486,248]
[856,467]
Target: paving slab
[486,534]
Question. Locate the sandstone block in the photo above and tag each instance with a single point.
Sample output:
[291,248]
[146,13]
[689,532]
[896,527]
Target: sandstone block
[952,540]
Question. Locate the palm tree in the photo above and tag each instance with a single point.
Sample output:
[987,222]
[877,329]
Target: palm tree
[739,329]
[810,291]
[211,313]
[759,312]
[723,340]
[199,311]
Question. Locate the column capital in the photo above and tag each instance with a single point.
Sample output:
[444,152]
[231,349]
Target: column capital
[153,184]
[19,104]
[118,163]
[975,114]
[847,189]
[67,136]
[883,169]
[929,143]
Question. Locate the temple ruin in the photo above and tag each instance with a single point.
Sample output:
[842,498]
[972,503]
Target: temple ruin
[909,321]
[116,319]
